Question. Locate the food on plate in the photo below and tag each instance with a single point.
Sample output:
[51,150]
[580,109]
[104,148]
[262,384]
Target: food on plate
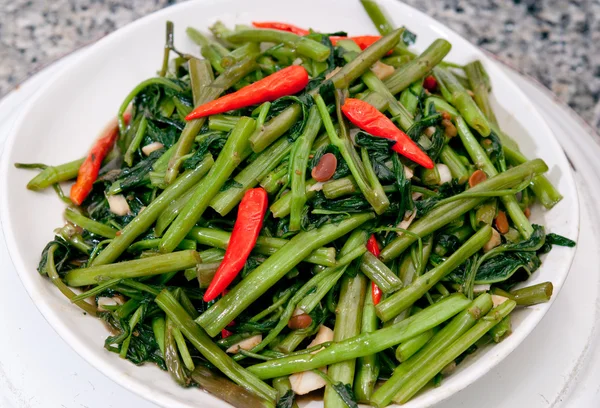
[289,210]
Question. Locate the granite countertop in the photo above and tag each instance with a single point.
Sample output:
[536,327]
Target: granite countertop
[555,41]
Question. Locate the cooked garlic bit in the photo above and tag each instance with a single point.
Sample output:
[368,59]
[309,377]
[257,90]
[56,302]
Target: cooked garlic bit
[118,204]
[246,344]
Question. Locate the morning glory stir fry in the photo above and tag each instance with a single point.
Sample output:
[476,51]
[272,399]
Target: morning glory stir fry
[287,210]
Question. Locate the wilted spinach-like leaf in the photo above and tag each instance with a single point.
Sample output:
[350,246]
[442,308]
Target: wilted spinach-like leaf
[287,400]
[345,393]
[135,176]
[555,239]
[373,143]
[61,256]
[503,268]
[408,37]
[403,185]
[352,204]
[143,347]
[419,126]
[213,141]
[494,150]
[281,104]
[311,221]
[446,243]
[165,135]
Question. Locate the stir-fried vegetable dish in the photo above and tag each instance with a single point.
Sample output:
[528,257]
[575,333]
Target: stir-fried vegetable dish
[287,210]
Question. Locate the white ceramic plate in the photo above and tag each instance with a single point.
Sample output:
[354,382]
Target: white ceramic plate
[60,122]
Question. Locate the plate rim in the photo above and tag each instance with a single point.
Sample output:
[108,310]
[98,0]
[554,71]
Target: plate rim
[145,391]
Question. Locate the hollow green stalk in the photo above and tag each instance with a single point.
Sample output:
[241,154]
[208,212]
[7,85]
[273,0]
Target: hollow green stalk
[303,45]
[446,213]
[366,343]
[136,268]
[264,245]
[440,341]
[483,162]
[146,218]
[533,295]
[195,335]
[225,201]
[55,174]
[479,81]
[453,91]
[433,367]
[406,297]
[419,67]
[348,322]
[274,268]
[95,227]
[226,80]
[379,273]
[235,150]
[367,367]
[298,165]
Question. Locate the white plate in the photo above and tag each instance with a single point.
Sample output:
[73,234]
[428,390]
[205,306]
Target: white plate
[63,118]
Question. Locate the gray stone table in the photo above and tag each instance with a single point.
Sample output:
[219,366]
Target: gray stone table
[555,41]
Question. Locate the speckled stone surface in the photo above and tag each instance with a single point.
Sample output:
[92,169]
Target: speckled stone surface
[555,41]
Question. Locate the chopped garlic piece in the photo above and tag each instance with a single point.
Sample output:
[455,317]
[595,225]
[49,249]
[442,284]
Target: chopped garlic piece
[246,344]
[152,147]
[494,241]
[307,381]
[381,70]
[497,300]
[118,204]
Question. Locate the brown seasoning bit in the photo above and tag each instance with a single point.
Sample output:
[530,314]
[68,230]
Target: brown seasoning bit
[326,167]
[477,177]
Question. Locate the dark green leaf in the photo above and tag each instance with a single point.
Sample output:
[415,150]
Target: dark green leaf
[408,37]
[213,141]
[287,400]
[419,126]
[346,394]
[61,256]
[502,268]
[556,239]
[373,143]
[135,176]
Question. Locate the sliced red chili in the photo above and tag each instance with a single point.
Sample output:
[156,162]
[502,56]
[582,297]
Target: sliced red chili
[430,83]
[89,169]
[369,119]
[288,81]
[247,226]
[373,247]
[363,41]
[274,25]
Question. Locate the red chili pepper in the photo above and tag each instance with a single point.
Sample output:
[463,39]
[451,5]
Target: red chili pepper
[375,293]
[430,83]
[274,25]
[363,41]
[286,82]
[225,333]
[243,238]
[369,119]
[89,169]
[373,247]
